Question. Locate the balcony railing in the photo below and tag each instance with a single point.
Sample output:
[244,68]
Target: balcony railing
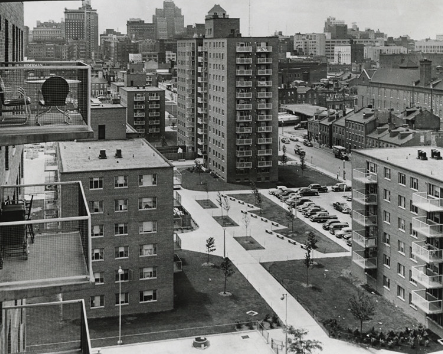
[243,153]
[243,60]
[139,114]
[202,120]
[264,141]
[139,122]
[264,83]
[427,277]
[264,48]
[364,259]
[243,106]
[360,238]
[264,72]
[154,114]
[266,129]
[244,165]
[154,122]
[154,98]
[361,174]
[247,130]
[243,49]
[364,218]
[154,106]
[427,227]
[139,106]
[243,72]
[264,94]
[24,120]
[428,303]
[51,249]
[140,130]
[154,130]
[243,119]
[364,198]
[243,95]
[243,142]
[264,163]
[264,60]
[427,202]
[264,106]
[264,117]
[139,98]
[244,83]
[427,252]
[202,110]
[264,152]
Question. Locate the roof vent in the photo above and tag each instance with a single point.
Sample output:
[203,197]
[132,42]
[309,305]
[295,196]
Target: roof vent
[102,154]
[421,155]
[435,154]
[118,154]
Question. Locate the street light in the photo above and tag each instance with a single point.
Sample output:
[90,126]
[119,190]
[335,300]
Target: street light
[120,273]
[285,297]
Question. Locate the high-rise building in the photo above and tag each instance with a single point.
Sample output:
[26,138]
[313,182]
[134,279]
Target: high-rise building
[169,21]
[82,24]
[49,32]
[11,33]
[137,29]
[309,43]
[227,88]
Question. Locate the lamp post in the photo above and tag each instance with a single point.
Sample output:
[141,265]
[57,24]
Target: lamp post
[285,297]
[120,272]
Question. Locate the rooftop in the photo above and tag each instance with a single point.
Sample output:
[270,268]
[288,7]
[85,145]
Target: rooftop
[306,109]
[141,89]
[83,156]
[359,116]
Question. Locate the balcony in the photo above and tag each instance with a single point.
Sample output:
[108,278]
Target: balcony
[31,123]
[139,106]
[201,142]
[428,303]
[264,106]
[264,152]
[201,110]
[365,259]
[50,252]
[359,238]
[139,98]
[264,49]
[243,106]
[363,198]
[202,120]
[264,117]
[247,130]
[243,153]
[267,129]
[364,218]
[201,89]
[426,277]
[243,49]
[154,130]
[361,175]
[140,130]
[154,98]
[244,165]
[427,252]
[243,95]
[139,122]
[243,142]
[264,164]
[264,72]
[427,227]
[244,83]
[139,114]
[202,79]
[154,122]
[154,114]
[264,140]
[264,94]
[243,72]
[154,106]
[243,119]
[243,60]
[264,83]
[264,60]
[200,131]
[427,202]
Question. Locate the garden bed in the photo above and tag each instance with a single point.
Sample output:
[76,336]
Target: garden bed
[225,221]
[249,243]
[206,204]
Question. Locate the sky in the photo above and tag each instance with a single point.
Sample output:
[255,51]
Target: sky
[417,18]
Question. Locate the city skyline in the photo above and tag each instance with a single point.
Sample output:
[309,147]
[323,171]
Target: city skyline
[395,18]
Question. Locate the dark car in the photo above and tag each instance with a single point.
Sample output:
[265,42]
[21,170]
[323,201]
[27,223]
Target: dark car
[285,193]
[306,142]
[298,150]
[325,218]
[302,201]
[307,191]
[328,223]
[341,187]
[313,211]
[321,189]
[343,207]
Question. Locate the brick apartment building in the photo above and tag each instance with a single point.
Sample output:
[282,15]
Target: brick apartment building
[130,196]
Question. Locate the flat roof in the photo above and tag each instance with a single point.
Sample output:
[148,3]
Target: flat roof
[141,88]
[406,158]
[306,109]
[83,156]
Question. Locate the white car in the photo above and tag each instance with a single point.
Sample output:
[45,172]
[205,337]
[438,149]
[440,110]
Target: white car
[345,233]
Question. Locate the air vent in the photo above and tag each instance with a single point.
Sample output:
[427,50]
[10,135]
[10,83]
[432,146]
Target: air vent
[421,155]
[118,153]
[102,154]
[435,154]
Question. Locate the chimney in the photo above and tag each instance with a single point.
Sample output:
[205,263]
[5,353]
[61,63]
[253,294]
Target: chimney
[118,154]
[425,72]
[435,154]
[102,154]
[421,155]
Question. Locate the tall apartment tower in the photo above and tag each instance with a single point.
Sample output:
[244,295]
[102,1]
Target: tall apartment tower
[227,100]
[82,24]
[168,21]
[397,224]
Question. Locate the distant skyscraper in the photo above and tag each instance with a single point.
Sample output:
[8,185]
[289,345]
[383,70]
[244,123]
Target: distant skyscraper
[169,21]
[82,24]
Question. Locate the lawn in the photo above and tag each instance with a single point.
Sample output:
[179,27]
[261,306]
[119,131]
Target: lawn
[249,243]
[276,213]
[197,304]
[225,221]
[331,286]
[206,204]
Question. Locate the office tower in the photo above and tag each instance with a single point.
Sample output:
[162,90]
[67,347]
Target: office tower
[169,21]
[227,100]
[137,29]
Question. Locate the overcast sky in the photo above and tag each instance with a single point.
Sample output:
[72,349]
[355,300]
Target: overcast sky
[418,18]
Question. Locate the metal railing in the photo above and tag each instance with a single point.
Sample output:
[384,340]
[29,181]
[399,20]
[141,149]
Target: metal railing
[264,94]
[244,83]
[364,262]
[264,117]
[264,152]
[426,302]
[267,129]
[243,60]
[243,142]
[364,198]
[427,277]
[363,218]
[264,140]
[243,153]
[361,174]
[359,238]
[264,164]
[427,252]
[427,227]
[427,202]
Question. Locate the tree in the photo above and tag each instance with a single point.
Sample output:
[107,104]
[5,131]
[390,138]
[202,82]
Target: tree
[308,263]
[198,168]
[284,158]
[302,163]
[246,220]
[311,242]
[223,203]
[300,345]
[290,215]
[362,307]
[210,245]
[206,184]
[227,268]
[257,196]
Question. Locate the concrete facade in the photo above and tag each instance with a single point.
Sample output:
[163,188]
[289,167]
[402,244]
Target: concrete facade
[11,34]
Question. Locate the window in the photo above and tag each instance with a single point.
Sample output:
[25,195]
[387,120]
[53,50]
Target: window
[97,231]
[120,229]
[148,273]
[386,238]
[97,301]
[98,254]
[121,181]
[386,282]
[413,208]
[386,217]
[124,276]
[147,227]
[386,260]
[99,278]
[96,206]
[411,279]
[401,224]
[401,201]
[401,269]
[148,250]
[147,180]
[96,183]
[147,203]
[413,183]
[122,252]
[122,299]
[401,247]
[121,205]
[387,173]
[400,292]
[411,255]
[410,301]
[402,179]
[148,295]
[387,195]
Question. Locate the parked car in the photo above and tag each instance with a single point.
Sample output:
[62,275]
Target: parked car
[293,138]
[307,191]
[320,215]
[341,187]
[306,142]
[328,223]
[285,140]
[285,193]
[277,190]
[349,243]
[337,226]
[292,200]
[313,211]
[345,233]
[326,218]
[343,207]
[284,198]
[305,206]
[302,201]
[297,126]
[298,149]
[321,189]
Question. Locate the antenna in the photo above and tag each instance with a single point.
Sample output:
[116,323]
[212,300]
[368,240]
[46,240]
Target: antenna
[249,29]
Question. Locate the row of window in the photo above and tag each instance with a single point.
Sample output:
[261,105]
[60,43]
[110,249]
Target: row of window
[98,254]
[98,301]
[127,275]
[122,205]
[122,181]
